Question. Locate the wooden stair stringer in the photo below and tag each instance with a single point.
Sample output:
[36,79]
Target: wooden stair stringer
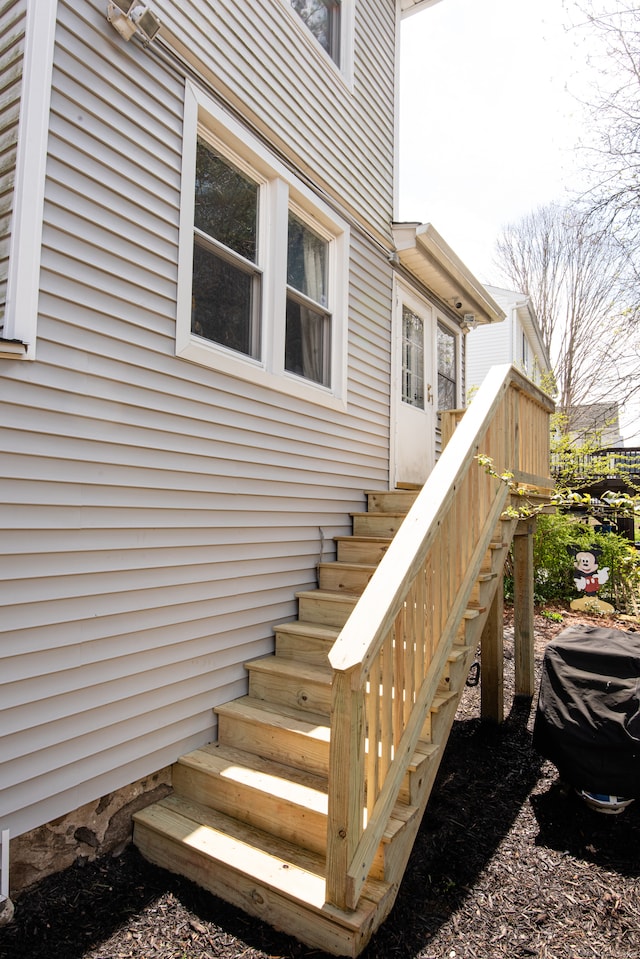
[464,651]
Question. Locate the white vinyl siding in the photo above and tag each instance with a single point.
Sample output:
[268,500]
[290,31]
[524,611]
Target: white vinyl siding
[487,346]
[344,134]
[157,517]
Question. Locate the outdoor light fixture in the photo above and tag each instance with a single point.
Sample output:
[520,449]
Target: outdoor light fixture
[469,322]
[130,17]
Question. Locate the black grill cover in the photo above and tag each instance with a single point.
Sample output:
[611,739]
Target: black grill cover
[588,717]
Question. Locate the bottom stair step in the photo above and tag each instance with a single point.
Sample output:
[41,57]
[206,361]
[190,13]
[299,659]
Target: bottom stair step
[266,877]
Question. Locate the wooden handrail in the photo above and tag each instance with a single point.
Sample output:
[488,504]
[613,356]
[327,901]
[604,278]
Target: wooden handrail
[389,656]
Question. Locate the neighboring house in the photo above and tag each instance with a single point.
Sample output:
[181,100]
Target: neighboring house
[517,340]
[171,469]
[595,424]
[214,339]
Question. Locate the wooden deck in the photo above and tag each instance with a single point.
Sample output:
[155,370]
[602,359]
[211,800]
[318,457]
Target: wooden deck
[305,811]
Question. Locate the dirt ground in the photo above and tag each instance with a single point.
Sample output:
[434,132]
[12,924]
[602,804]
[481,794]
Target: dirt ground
[507,863]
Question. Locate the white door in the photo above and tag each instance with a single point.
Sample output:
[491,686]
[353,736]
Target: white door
[414,399]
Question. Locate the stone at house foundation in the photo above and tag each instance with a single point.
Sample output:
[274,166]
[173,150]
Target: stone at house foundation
[6,911]
[99,827]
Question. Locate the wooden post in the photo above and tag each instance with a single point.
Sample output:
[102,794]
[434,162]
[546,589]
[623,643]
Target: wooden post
[492,659]
[523,608]
[346,785]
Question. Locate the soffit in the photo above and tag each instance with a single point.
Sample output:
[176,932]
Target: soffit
[421,250]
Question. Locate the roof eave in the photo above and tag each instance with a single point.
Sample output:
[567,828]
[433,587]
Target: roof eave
[409,7]
[425,254]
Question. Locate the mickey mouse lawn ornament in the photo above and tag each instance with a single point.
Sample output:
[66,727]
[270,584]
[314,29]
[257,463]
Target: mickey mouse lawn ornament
[589,578]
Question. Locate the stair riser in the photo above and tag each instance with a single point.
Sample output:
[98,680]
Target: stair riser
[303,649]
[287,691]
[376,524]
[325,612]
[284,745]
[358,551]
[391,501]
[334,577]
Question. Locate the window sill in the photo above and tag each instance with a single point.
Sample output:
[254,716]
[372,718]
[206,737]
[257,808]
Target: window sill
[195,351]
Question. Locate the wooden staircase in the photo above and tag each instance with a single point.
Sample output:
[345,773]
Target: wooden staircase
[305,810]
[248,816]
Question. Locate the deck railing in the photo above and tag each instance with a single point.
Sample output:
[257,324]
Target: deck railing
[389,657]
[609,463]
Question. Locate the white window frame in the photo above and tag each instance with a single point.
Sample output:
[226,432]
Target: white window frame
[23,279]
[458,338]
[344,69]
[280,191]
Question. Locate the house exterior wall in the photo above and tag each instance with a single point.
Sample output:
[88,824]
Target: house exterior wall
[487,346]
[12,40]
[516,340]
[158,515]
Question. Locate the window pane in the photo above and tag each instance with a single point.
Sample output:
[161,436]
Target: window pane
[446,353]
[307,261]
[447,391]
[412,358]
[323,19]
[446,394]
[224,302]
[226,205]
[307,343]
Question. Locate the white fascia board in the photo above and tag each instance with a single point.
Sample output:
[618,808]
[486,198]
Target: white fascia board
[409,7]
[529,321]
[23,280]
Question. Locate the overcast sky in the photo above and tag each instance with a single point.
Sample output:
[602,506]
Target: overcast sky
[487,126]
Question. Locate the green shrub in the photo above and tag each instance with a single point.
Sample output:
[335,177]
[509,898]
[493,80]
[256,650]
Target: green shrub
[553,565]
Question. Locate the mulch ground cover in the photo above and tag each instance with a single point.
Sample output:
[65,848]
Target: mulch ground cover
[508,863]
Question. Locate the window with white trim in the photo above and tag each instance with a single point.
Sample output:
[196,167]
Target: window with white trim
[327,27]
[263,271]
[322,17]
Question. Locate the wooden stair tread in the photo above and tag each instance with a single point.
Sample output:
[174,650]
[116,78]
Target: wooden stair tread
[341,564]
[458,652]
[361,538]
[441,699]
[307,629]
[288,667]
[424,753]
[315,725]
[263,859]
[335,596]
[386,515]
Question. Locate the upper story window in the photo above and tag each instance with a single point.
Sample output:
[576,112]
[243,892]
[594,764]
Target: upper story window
[263,268]
[323,19]
[447,369]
